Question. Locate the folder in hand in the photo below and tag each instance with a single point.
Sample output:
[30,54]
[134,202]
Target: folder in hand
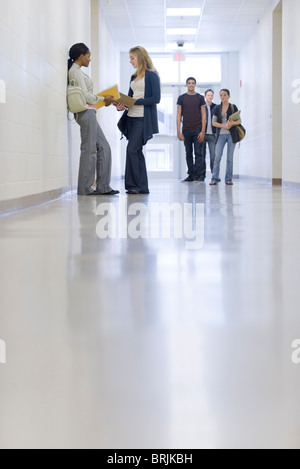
[113,91]
[127,100]
[235,116]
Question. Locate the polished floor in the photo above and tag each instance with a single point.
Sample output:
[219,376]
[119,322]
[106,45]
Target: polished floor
[144,343]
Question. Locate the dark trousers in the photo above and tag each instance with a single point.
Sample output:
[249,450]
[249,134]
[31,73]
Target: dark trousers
[136,178]
[197,168]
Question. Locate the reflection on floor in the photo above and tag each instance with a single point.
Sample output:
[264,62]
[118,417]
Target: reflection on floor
[144,343]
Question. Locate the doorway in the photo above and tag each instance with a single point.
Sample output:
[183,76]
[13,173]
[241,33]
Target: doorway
[165,154]
[161,152]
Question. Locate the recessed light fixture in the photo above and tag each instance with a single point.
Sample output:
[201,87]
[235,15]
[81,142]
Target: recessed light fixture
[183,11]
[181,31]
[174,45]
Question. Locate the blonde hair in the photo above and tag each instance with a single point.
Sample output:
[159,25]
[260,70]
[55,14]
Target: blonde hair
[144,61]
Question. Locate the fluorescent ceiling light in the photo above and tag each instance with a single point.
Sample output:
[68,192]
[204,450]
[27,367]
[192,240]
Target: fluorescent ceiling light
[183,11]
[181,31]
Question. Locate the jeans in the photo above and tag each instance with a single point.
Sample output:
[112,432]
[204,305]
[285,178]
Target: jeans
[210,139]
[136,178]
[197,169]
[222,140]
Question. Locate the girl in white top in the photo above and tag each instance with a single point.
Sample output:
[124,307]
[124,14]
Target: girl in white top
[138,88]
[95,158]
[142,120]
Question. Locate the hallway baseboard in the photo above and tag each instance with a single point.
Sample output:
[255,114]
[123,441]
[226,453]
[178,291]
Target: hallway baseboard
[295,186]
[254,178]
[11,206]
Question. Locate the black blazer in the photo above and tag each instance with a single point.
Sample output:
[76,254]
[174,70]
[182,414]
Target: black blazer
[233,131]
[212,108]
[152,98]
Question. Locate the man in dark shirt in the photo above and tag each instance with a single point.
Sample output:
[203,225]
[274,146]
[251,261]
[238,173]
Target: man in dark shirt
[191,112]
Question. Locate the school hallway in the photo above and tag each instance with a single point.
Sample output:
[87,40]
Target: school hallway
[144,343]
[168,320]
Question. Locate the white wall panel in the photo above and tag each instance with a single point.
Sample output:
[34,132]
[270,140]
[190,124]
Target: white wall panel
[39,148]
[291,76]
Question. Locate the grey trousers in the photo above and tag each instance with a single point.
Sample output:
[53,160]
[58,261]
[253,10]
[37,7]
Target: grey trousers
[95,158]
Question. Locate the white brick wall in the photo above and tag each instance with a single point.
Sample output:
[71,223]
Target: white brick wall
[108,73]
[39,148]
[257,157]
[256,100]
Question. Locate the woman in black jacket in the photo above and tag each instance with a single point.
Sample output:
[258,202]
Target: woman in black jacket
[141,121]
[226,133]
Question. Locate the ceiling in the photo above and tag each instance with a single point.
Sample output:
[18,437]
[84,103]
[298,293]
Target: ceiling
[223,25]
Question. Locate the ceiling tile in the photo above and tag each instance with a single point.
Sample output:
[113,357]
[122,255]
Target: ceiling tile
[219,21]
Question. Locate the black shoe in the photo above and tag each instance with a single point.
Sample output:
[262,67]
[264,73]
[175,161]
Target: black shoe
[112,192]
[188,179]
[132,192]
[144,192]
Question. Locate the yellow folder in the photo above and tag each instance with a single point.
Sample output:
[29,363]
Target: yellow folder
[113,91]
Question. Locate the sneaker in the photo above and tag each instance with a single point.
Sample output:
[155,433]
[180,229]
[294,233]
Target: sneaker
[188,179]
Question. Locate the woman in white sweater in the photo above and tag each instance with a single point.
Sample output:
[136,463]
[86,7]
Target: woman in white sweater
[95,158]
